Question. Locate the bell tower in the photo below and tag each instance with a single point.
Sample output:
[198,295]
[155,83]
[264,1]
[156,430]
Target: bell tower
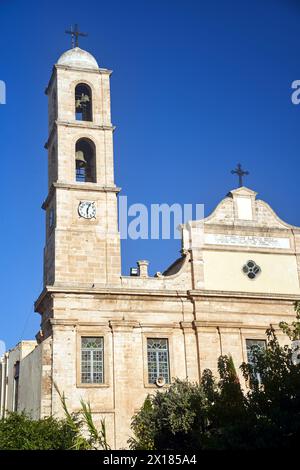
[82,240]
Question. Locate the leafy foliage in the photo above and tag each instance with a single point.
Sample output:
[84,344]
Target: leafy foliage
[293,330]
[274,396]
[167,420]
[85,434]
[18,431]
[143,425]
[76,432]
[228,417]
[97,439]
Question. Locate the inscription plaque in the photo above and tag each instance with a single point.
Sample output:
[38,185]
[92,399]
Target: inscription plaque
[246,240]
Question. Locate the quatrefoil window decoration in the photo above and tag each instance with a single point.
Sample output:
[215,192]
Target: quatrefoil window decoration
[251,269]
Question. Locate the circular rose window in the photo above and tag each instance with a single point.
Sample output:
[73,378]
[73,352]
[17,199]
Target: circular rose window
[251,269]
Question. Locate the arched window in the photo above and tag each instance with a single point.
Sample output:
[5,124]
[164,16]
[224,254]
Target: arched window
[83,103]
[85,161]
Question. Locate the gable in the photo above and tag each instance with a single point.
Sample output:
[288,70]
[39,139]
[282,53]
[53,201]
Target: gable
[240,206]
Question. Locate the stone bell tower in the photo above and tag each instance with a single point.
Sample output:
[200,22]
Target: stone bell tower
[82,240]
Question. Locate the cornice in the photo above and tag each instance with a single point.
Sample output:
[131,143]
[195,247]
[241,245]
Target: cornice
[99,71]
[151,294]
[209,294]
[230,228]
[77,322]
[108,292]
[86,125]
[244,249]
[112,323]
[123,325]
[78,187]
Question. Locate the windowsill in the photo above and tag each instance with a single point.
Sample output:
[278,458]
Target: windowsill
[80,385]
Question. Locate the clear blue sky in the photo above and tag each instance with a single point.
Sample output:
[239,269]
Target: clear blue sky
[197,87]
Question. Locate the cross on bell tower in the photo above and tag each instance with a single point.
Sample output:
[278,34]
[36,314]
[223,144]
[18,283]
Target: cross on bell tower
[240,173]
[75,33]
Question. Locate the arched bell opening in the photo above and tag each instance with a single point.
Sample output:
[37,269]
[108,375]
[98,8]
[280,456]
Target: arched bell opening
[83,103]
[85,155]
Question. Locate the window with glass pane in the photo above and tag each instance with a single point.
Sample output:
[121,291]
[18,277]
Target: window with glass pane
[158,359]
[92,360]
[251,346]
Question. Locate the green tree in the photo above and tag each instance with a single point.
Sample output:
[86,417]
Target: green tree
[144,427]
[171,420]
[18,431]
[76,431]
[274,396]
[229,417]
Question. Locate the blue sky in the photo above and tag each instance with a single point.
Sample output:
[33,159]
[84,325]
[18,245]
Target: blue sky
[197,87]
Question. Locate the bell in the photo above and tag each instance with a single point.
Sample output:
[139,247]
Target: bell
[80,160]
[84,98]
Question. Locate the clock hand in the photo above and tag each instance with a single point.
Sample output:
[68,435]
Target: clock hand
[88,209]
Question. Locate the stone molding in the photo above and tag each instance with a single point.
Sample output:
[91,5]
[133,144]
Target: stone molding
[241,296]
[78,187]
[123,325]
[158,295]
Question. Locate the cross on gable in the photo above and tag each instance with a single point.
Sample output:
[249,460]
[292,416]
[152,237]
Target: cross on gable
[240,173]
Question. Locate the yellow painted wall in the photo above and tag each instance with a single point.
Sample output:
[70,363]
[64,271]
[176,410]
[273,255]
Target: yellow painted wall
[223,271]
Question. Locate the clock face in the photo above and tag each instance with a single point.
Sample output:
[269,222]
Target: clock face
[87,209]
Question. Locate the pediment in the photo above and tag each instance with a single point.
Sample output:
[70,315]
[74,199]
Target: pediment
[243,191]
[241,208]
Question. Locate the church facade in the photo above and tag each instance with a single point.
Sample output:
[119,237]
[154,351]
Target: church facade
[113,339]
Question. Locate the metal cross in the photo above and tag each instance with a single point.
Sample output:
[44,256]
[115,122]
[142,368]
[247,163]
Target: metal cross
[75,33]
[240,172]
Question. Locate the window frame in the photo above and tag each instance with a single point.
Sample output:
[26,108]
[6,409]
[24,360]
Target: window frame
[106,358]
[163,334]
[91,361]
[157,362]
[261,339]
